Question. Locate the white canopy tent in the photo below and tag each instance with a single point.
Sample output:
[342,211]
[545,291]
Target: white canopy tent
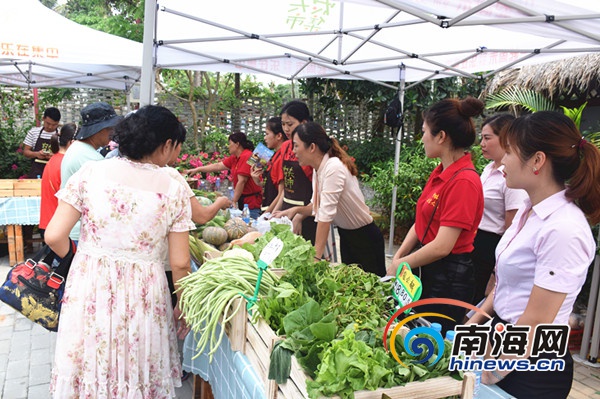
[367,39]
[41,48]
[376,40]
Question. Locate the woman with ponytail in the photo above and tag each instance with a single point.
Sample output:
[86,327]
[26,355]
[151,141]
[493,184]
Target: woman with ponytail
[59,142]
[337,199]
[297,179]
[448,212]
[543,257]
[245,190]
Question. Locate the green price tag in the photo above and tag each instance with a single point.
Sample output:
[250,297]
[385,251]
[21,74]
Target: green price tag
[407,287]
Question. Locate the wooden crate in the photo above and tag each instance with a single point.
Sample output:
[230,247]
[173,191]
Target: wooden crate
[6,188]
[256,341]
[20,188]
[27,188]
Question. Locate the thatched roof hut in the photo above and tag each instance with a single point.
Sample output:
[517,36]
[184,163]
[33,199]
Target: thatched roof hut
[571,79]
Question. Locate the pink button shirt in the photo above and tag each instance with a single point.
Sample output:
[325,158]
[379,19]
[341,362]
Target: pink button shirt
[340,199]
[553,250]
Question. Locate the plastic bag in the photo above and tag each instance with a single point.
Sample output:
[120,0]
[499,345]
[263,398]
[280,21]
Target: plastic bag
[263,223]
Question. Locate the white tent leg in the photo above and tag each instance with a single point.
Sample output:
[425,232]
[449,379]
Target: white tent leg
[398,142]
[147,80]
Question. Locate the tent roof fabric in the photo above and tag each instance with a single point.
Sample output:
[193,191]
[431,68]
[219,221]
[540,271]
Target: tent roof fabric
[371,39]
[41,48]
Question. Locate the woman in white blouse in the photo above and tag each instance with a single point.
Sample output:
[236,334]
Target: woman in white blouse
[543,257]
[337,199]
[500,205]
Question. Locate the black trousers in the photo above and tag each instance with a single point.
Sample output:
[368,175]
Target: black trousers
[484,261]
[539,384]
[450,277]
[365,247]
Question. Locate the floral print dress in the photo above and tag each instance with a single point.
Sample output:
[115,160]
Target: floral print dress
[116,336]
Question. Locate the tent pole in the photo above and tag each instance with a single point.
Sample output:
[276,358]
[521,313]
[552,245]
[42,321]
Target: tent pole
[398,142]
[147,79]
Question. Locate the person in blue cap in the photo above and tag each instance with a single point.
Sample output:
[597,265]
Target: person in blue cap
[96,128]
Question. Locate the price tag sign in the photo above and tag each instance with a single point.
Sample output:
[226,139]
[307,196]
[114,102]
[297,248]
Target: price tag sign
[407,287]
[271,251]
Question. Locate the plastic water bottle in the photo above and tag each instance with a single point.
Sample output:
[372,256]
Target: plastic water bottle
[437,327]
[218,184]
[477,389]
[450,334]
[246,214]
[230,193]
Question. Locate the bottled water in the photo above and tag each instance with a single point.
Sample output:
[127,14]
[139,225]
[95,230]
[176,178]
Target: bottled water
[218,184]
[246,214]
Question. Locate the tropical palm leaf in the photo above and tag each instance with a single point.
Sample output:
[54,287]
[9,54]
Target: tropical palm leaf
[517,97]
[574,113]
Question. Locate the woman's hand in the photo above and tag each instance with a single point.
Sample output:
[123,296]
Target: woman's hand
[297,223]
[392,269]
[223,202]
[289,213]
[256,171]
[181,326]
[188,172]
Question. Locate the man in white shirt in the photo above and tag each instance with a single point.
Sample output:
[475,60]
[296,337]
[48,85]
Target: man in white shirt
[37,142]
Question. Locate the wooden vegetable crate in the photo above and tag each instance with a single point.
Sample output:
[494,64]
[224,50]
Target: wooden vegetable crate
[256,341]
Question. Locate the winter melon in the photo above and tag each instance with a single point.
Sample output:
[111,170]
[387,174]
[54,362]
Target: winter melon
[214,235]
[236,228]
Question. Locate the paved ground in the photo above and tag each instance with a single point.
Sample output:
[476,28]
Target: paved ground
[26,353]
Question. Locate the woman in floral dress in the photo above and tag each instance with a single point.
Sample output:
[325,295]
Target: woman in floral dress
[116,337]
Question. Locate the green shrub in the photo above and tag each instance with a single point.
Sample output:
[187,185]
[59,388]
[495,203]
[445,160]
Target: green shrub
[413,171]
[13,104]
[368,154]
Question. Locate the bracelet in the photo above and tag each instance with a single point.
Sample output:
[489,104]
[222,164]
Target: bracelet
[317,258]
[497,376]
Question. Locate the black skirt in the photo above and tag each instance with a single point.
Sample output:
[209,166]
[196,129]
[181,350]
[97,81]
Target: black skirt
[539,384]
[365,247]
[450,277]
[484,261]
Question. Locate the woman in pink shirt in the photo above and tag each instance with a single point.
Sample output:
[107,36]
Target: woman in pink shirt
[543,257]
[337,199]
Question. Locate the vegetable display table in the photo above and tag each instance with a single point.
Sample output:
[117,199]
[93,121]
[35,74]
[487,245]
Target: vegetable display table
[230,374]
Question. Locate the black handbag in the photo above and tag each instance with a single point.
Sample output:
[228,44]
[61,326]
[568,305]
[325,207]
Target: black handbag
[35,289]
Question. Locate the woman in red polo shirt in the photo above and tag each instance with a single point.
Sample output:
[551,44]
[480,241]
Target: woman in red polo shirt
[272,175]
[448,211]
[246,191]
[297,180]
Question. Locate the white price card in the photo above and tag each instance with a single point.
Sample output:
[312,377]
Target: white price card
[271,251]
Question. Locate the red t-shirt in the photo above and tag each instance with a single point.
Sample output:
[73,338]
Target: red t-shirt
[50,186]
[460,206]
[287,152]
[252,193]
[275,167]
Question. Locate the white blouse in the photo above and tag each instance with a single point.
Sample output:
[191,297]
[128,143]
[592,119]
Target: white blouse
[552,248]
[498,199]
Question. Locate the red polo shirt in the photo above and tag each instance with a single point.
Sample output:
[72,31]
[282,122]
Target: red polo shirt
[275,167]
[461,204]
[239,166]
